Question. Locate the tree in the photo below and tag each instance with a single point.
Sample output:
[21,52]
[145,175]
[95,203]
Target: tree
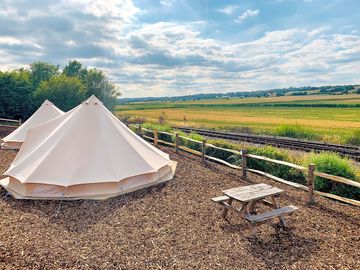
[15,94]
[74,69]
[42,71]
[97,84]
[22,91]
[65,92]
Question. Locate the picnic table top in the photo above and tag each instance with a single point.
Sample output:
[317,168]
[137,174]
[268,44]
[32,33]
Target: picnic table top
[252,192]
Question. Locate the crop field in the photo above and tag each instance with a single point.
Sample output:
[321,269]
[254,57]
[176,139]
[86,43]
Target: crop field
[331,99]
[259,115]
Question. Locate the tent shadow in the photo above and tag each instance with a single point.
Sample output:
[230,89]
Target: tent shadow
[77,215]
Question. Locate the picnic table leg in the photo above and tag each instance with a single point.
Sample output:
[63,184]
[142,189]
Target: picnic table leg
[242,208]
[225,211]
[248,207]
[281,219]
[251,206]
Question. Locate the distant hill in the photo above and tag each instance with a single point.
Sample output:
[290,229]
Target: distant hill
[291,91]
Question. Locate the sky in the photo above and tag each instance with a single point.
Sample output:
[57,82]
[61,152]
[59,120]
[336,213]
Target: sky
[181,47]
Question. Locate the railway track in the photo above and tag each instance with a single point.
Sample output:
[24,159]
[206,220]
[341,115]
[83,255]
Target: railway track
[294,144]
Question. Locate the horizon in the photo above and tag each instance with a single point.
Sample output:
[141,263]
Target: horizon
[177,47]
[241,91]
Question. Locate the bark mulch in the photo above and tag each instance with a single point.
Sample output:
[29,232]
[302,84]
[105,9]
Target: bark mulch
[6,130]
[175,226]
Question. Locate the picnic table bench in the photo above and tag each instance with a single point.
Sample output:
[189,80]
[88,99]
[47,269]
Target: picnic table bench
[249,196]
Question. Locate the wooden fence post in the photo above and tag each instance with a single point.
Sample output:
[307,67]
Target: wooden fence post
[177,143]
[243,162]
[139,130]
[310,183]
[20,122]
[156,137]
[203,150]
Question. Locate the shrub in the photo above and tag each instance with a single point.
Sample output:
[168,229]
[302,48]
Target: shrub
[152,126]
[224,155]
[162,118]
[295,131]
[161,136]
[281,171]
[190,144]
[332,163]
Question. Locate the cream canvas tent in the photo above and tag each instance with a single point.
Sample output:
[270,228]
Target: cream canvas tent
[45,112]
[85,153]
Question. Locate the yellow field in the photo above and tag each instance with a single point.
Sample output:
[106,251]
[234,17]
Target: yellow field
[264,117]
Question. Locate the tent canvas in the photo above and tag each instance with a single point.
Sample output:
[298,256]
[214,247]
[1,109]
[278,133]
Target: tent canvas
[45,112]
[85,153]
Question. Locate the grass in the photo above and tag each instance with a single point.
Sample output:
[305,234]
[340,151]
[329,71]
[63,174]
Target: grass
[353,138]
[296,131]
[152,126]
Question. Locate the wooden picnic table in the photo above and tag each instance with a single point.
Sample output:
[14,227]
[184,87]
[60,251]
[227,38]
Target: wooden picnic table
[248,197]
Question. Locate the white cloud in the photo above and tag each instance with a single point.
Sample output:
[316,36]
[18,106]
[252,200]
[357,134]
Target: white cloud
[12,41]
[167,3]
[248,13]
[319,31]
[229,9]
[123,9]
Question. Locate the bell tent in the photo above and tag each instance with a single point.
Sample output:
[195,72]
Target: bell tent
[46,112]
[86,153]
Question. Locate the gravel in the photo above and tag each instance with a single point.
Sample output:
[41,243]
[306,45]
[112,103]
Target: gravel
[175,226]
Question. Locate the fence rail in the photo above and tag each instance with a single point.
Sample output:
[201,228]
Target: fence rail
[309,171]
[18,122]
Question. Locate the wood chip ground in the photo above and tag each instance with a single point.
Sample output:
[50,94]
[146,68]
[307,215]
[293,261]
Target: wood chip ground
[175,226]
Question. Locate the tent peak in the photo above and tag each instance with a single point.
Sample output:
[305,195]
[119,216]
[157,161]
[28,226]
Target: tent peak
[47,102]
[93,100]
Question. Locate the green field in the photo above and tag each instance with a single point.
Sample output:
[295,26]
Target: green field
[330,118]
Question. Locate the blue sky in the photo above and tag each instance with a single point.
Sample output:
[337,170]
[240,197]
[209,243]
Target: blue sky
[179,47]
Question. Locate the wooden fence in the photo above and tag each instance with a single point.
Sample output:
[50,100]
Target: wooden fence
[309,171]
[10,122]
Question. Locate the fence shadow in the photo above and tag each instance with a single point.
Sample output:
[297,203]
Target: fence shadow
[343,215]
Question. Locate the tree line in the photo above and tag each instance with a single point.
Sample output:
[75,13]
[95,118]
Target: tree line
[23,90]
[292,91]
